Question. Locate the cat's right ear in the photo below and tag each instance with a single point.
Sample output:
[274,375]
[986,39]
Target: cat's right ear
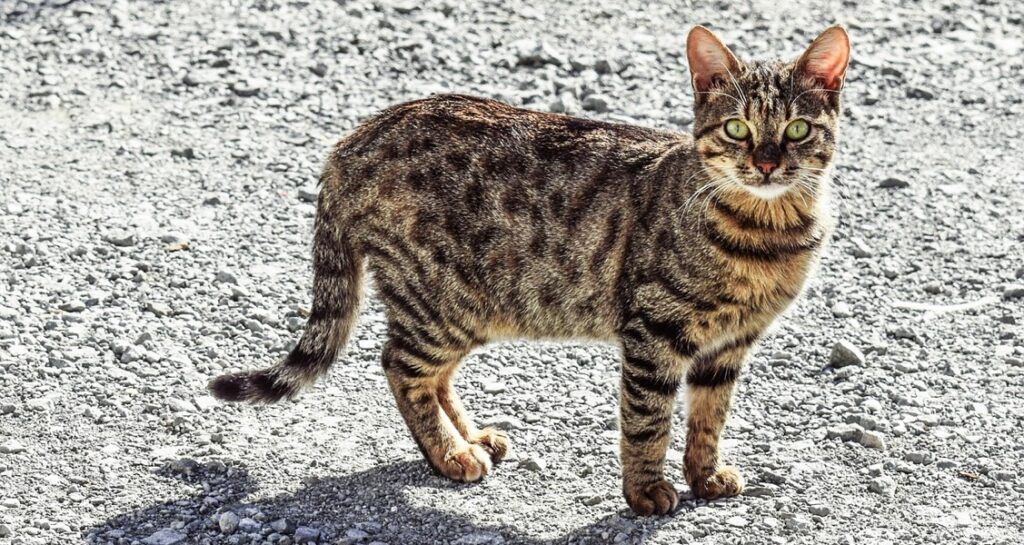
[711,62]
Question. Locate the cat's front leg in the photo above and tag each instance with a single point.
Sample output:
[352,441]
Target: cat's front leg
[651,375]
[710,382]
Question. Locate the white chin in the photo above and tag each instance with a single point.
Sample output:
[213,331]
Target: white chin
[767,192]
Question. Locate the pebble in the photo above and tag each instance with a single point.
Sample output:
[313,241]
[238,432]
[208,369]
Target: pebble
[504,423]
[120,237]
[493,387]
[165,536]
[872,439]
[919,457]
[184,153]
[883,485]
[6,531]
[530,52]
[248,526]
[845,353]
[1005,476]
[73,306]
[159,309]
[894,182]
[920,93]
[225,276]
[355,534]
[533,463]
[859,248]
[480,538]
[305,534]
[737,522]
[228,522]
[1013,291]
[12,446]
[308,194]
[282,526]
[819,510]
[596,103]
[247,88]
[841,310]
[200,77]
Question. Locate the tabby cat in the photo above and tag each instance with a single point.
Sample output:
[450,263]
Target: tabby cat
[481,221]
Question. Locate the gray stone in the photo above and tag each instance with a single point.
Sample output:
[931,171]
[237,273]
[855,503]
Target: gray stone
[305,534]
[533,463]
[282,526]
[845,353]
[820,510]
[12,446]
[480,538]
[308,194]
[919,457]
[1005,476]
[165,536]
[596,103]
[920,93]
[503,422]
[120,237]
[860,248]
[894,182]
[226,276]
[872,439]
[355,534]
[248,526]
[883,485]
[159,309]
[1013,291]
[228,522]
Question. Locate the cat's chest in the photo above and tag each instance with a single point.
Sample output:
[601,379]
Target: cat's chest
[752,295]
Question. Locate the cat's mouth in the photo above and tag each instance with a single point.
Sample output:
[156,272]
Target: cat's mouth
[767,190]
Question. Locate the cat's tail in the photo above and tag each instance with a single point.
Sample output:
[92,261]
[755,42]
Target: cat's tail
[337,275]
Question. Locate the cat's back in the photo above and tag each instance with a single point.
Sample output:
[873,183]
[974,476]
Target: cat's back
[420,123]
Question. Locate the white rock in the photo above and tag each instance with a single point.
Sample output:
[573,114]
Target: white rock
[12,446]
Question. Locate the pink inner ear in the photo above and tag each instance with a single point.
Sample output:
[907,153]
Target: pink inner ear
[708,58]
[827,58]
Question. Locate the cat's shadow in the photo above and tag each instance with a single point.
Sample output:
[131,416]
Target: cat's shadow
[336,505]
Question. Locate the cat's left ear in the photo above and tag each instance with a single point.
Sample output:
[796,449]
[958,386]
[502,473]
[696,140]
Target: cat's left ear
[826,59]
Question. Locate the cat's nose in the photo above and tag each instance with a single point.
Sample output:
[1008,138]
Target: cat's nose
[767,167]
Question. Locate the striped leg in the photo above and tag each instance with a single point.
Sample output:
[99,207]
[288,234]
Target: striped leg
[416,373]
[650,379]
[495,442]
[711,382]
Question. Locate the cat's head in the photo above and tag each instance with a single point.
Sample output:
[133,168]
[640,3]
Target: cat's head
[769,127]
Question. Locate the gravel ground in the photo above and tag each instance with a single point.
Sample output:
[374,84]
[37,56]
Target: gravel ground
[158,167]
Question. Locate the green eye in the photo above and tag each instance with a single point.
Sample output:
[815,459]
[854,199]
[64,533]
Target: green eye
[737,129]
[797,130]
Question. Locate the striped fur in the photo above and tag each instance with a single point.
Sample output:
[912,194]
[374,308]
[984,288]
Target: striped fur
[481,221]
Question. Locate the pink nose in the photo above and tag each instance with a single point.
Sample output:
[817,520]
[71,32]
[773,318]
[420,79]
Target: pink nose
[767,166]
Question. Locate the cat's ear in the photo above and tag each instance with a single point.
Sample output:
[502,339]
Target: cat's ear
[826,58]
[710,60]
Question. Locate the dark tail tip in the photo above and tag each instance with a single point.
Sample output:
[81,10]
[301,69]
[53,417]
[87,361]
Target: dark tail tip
[255,387]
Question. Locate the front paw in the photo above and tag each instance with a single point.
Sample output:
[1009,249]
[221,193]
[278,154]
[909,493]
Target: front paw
[723,483]
[656,498]
[495,442]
